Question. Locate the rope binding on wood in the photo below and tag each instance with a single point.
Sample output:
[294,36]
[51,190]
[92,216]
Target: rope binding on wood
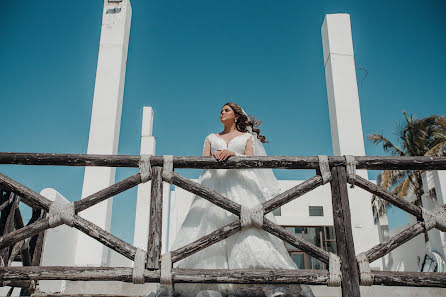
[166,283]
[350,165]
[334,268]
[61,212]
[139,265]
[366,277]
[145,170]
[168,168]
[252,217]
[324,168]
[435,218]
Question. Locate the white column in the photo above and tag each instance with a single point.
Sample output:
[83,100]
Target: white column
[58,247]
[439,177]
[148,145]
[142,217]
[345,118]
[105,123]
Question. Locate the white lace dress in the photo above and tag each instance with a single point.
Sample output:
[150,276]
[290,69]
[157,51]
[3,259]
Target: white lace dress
[249,248]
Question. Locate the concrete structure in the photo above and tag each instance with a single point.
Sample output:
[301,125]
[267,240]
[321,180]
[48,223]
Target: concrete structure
[62,238]
[148,144]
[345,119]
[142,216]
[105,124]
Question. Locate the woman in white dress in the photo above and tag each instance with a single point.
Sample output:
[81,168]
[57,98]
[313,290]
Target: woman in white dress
[250,248]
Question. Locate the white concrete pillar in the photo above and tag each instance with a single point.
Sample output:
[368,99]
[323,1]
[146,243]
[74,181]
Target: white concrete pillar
[439,177]
[345,118]
[142,217]
[58,247]
[105,123]
[148,145]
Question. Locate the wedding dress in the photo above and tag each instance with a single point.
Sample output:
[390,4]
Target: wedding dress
[250,248]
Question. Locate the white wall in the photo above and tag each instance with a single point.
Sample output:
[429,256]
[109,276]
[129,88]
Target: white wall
[58,248]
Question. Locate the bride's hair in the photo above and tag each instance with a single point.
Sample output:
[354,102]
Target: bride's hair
[243,121]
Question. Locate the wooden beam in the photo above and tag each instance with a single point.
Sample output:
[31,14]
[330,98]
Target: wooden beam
[296,241]
[386,247]
[206,193]
[343,230]
[9,227]
[251,276]
[26,194]
[104,237]
[290,162]
[156,219]
[389,197]
[237,276]
[205,241]
[69,159]
[292,193]
[108,192]
[36,243]
[409,279]
[25,232]
[77,273]
[24,252]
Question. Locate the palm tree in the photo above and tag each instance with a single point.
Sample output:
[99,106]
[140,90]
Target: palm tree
[417,137]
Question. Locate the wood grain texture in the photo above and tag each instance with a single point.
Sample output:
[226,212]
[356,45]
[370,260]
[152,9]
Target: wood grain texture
[17,275]
[292,193]
[290,162]
[251,276]
[156,219]
[343,230]
[386,247]
[236,276]
[25,232]
[294,240]
[104,237]
[25,251]
[206,193]
[27,195]
[108,192]
[124,274]
[389,197]
[37,241]
[205,241]
[409,279]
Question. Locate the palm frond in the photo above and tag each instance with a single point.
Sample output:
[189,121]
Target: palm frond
[389,178]
[388,146]
[404,188]
[438,150]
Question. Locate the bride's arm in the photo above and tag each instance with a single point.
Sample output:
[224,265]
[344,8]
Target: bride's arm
[206,147]
[249,148]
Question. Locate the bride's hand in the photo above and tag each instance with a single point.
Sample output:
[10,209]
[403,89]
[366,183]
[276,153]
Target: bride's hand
[221,155]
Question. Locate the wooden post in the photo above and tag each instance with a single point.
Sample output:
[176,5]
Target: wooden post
[155,222]
[8,226]
[37,240]
[343,231]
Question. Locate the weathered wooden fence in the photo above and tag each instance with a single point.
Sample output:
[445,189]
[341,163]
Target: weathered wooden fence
[345,269]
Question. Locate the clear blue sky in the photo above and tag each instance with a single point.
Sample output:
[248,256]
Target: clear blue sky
[186,58]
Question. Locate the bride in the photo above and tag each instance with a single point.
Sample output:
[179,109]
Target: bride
[250,248]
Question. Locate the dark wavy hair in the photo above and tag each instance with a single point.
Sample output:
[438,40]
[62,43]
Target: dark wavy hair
[243,121]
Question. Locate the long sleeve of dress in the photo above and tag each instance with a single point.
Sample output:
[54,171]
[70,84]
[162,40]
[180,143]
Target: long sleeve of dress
[249,149]
[206,147]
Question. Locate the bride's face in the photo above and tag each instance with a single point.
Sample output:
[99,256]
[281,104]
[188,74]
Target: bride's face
[227,115]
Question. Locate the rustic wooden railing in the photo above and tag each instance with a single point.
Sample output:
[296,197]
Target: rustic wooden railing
[344,269]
